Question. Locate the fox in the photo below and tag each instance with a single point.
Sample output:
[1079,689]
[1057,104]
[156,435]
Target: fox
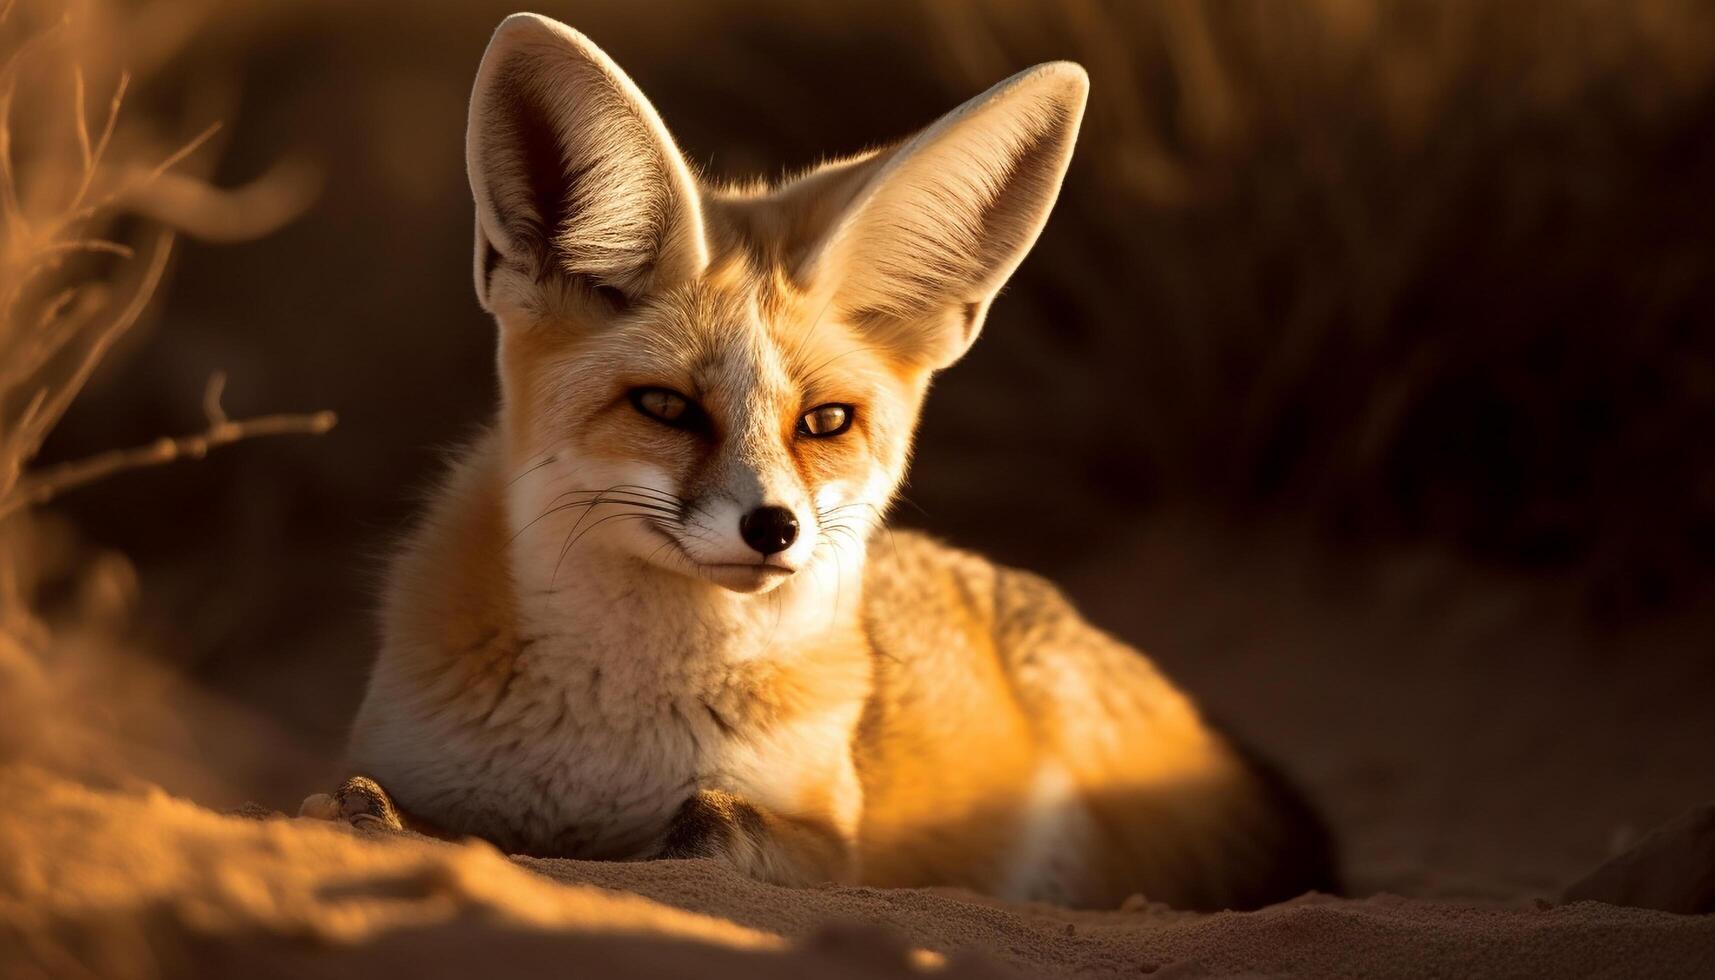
[655,610]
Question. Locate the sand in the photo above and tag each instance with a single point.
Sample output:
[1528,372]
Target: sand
[138,884]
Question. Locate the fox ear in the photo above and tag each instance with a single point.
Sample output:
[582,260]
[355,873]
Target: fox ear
[572,170]
[926,233]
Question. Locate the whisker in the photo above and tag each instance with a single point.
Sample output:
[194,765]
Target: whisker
[815,325]
[573,538]
[549,458]
[669,543]
[850,534]
[641,495]
[642,490]
[810,380]
[600,499]
[588,505]
[879,521]
[914,504]
[617,491]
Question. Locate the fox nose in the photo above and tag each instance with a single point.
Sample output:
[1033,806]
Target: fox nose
[769,529]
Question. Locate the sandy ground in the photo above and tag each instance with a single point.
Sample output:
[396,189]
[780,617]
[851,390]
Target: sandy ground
[139,884]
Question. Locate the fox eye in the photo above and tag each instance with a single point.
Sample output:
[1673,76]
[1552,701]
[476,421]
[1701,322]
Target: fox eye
[825,420]
[668,407]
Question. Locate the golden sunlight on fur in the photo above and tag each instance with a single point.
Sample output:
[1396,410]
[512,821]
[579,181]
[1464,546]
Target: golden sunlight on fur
[654,611]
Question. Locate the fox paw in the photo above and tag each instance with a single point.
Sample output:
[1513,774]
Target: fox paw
[712,824]
[359,801]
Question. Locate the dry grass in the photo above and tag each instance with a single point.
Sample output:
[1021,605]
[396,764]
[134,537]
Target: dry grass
[90,204]
[1422,268]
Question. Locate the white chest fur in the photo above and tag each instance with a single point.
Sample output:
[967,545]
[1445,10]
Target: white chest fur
[625,694]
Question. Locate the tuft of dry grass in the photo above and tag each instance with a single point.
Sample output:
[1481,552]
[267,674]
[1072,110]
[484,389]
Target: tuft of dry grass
[90,206]
[1433,268]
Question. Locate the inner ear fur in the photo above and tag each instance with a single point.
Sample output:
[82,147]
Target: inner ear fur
[572,170]
[913,242]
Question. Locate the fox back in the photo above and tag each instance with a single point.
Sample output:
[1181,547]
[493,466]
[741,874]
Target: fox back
[653,611]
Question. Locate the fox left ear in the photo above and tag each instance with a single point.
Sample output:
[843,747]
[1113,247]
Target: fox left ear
[926,233]
[572,171]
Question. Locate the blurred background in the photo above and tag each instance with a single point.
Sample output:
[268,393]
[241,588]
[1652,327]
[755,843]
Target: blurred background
[1365,376]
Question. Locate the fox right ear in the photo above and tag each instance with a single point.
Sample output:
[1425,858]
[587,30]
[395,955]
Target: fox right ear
[572,171]
[924,234]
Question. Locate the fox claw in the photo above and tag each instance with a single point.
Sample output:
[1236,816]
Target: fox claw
[319,806]
[359,801]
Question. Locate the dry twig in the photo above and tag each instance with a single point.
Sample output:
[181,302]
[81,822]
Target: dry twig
[40,487]
[61,312]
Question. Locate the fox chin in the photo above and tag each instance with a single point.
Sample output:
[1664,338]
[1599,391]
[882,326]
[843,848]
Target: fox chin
[653,610]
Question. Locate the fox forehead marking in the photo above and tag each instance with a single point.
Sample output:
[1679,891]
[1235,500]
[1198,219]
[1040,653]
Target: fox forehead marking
[747,330]
[726,348]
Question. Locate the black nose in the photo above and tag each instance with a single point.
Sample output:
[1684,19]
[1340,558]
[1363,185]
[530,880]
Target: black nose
[768,529]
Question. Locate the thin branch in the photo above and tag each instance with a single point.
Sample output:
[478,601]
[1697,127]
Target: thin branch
[83,148]
[211,409]
[52,309]
[61,399]
[169,163]
[9,207]
[32,408]
[38,345]
[87,245]
[47,259]
[102,140]
[12,455]
[184,151]
[39,488]
[132,186]
[62,319]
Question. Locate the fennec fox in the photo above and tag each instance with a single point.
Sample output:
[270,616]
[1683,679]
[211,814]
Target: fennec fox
[652,613]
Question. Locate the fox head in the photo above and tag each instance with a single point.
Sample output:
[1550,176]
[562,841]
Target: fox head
[722,383]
